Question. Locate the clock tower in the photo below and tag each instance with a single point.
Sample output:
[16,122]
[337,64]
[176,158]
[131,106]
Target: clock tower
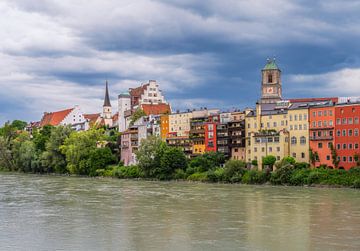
[271,83]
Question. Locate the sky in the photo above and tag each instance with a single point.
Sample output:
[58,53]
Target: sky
[58,54]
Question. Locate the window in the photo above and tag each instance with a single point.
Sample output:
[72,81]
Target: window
[350,159]
[319,113]
[344,158]
[270,79]
[338,121]
[330,122]
[325,123]
[302,140]
[291,127]
[344,121]
[356,132]
[300,127]
[314,114]
[278,149]
[236,150]
[327,157]
[320,145]
[268,124]
[300,116]
[293,140]
[270,149]
[295,127]
[211,127]
[263,149]
[290,117]
[350,121]
[356,146]
[319,133]
[338,133]
[305,126]
[338,146]
[344,146]
[303,155]
[275,124]
[319,123]
[329,145]
[331,133]
[343,132]
[305,116]
[313,124]
[330,113]
[295,117]
[356,120]
[350,132]
[294,155]
[325,113]
[350,146]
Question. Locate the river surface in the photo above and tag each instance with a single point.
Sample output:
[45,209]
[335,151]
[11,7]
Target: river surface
[71,213]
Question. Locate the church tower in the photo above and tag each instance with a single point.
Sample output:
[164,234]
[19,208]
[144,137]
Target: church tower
[271,91]
[107,111]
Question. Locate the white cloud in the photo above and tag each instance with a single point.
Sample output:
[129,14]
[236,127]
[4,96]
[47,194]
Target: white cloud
[344,82]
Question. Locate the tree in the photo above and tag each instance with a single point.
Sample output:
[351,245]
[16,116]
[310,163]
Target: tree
[234,168]
[18,124]
[78,149]
[100,158]
[6,160]
[269,161]
[52,158]
[172,158]
[149,155]
[334,156]
[136,115]
[314,157]
[207,161]
[40,137]
[357,159]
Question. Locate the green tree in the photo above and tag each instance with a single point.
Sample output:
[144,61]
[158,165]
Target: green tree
[78,148]
[6,159]
[172,158]
[149,155]
[18,124]
[100,158]
[334,156]
[40,137]
[269,161]
[52,158]
[136,115]
[234,168]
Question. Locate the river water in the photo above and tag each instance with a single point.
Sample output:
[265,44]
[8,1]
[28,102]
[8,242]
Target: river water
[70,213]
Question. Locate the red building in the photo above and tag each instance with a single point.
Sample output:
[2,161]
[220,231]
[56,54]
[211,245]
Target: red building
[347,137]
[321,132]
[210,133]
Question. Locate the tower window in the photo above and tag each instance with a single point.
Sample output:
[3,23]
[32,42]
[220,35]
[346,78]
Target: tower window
[270,79]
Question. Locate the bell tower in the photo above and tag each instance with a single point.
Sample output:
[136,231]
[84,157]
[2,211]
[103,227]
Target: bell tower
[271,90]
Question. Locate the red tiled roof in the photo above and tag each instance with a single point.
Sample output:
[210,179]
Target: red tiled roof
[156,109]
[300,100]
[115,117]
[54,118]
[138,90]
[92,118]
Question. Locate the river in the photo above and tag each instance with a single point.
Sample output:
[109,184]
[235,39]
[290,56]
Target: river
[71,213]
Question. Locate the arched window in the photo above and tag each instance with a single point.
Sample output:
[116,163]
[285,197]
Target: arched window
[303,140]
[293,140]
[270,78]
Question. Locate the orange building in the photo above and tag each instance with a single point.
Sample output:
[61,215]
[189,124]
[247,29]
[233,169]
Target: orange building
[322,125]
[164,126]
[347,137]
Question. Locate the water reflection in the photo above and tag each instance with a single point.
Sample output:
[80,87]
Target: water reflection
[65,213]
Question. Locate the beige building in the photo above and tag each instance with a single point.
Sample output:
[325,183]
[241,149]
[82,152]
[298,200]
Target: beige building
[179,124]
[299,132]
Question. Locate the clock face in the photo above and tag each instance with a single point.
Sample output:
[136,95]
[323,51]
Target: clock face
[269,90]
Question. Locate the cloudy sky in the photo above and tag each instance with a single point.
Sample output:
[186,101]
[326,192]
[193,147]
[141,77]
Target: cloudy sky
[56,54]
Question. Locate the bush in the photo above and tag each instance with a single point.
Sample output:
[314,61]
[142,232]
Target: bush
[233,168]
[179,174]
[216,175]
[198,177]
[299,177]
[104,172]
[127,172]
[301,165]
[282,175]
[356,183]
[254,177]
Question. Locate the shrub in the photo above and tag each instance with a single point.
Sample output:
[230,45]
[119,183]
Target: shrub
[356,183]
[282,175]
[127,172]
[301,165]
[216,175]
[233,168]
[198,177]
[299,177]
[254,177]
[179,174]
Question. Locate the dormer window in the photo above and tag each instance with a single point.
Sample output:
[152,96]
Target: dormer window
[270,79]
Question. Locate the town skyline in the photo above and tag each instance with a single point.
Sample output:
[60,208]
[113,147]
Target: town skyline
[54,58]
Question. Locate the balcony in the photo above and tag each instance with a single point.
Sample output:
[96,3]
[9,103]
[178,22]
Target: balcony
[321,138]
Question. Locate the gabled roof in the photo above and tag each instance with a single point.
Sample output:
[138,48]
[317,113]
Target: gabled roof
[92,118]
[138,91]
[156,109]
[54,118]
[107,99]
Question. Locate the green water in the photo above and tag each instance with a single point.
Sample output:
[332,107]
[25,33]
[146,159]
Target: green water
[67,213]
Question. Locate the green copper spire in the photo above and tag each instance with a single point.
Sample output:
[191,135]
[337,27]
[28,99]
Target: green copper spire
[271,65]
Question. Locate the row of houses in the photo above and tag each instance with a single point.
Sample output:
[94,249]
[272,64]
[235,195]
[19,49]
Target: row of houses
[323,131]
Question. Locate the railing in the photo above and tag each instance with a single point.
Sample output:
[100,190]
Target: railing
[321,138]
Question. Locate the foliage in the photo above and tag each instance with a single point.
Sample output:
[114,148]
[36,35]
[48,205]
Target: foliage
[127,172]
[282,175]
[198,177]
[136,115]
[172,158]
[52,158]
[314,156]
[301,165]
[254,177]
[269,161]
[78,148]
[207,161]
[254,162]
[99,158]
[233,168]
[41,137]
[18,124]
[334,156]
[179,174]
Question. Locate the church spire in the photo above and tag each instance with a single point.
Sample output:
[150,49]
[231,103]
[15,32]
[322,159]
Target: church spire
[107,99]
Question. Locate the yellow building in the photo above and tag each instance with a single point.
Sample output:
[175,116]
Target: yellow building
[164,124]
[299,132]
[179,124]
